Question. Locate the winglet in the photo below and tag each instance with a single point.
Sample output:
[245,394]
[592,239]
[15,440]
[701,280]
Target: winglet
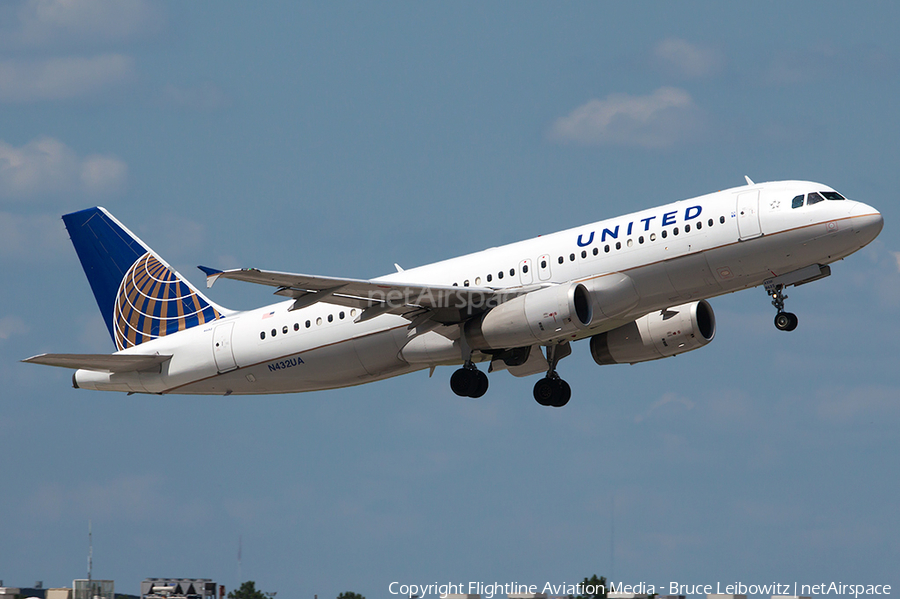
[211,275]
[749,182]
[398,267]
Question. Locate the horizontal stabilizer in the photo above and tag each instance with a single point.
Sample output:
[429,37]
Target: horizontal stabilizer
[211,275]
[112,363]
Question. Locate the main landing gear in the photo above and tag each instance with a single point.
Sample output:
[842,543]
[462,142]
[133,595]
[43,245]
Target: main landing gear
[552,390]
[468,381]
[784,321]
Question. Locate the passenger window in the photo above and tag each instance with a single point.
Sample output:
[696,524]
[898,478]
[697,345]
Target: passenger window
[296,326]
[466,283]
[262,335]
[814,198]
[687,228]
[618,245]
[710,223]
[699,224]
[319,321]
[630,243]
[478,280]
[341,316]
[722,219]
[353,313]
[500,275]
[512,272]
[665,233]
[606,248]
[583,253]
[284,330]
[797,202]
[675,231]
[456,284]
[308,324]
[652,236]
[490,278]
[596,251]
[274,332]
[560,259]
[544,263]
[331,318]
[641,239]
[572,257]
[525,268]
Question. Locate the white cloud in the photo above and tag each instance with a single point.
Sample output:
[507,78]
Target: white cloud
[668,399]
[33,237]
[658,120]
[205,96]
[55,22]
[684,59]
[47,166]
[897,259]
[844,405]
[63,78]
[103,175]
[12,325]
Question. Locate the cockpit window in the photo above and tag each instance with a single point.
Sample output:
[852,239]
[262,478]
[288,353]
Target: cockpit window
[814,198]
[833,195]
[797,202]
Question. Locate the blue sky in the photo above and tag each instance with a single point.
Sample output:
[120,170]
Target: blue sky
[340,138]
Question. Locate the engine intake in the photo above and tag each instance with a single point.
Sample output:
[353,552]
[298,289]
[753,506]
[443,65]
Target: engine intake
[536,317]
[657,335]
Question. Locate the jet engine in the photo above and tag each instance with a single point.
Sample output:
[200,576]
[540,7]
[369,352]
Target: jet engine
[657,335]
[536,317]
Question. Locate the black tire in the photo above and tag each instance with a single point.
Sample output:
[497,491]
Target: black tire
[563,393]
[783,321]
[794,322]
[464,382]
[544,391]
[481,385]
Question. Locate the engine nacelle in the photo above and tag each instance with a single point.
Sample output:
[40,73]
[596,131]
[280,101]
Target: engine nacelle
[536,317]
[657,335]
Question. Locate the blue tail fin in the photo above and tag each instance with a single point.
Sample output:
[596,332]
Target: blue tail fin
[140,296]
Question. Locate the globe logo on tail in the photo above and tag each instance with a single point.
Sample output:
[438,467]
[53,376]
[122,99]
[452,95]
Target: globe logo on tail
[153,302]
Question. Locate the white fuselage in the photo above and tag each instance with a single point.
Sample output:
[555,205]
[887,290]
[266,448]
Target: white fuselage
[680,252]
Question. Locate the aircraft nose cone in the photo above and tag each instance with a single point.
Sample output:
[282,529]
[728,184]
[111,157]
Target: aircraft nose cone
[867,221]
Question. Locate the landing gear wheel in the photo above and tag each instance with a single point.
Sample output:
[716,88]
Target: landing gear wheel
[786,321]
[464,382]
[544,391]
[563,393]
[481,386]
[553,392]
[469,382]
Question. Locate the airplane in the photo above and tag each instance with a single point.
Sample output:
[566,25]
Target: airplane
[637,286]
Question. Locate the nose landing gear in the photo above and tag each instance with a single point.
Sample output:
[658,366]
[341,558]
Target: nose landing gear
[784,321]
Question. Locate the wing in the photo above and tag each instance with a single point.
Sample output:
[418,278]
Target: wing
[100,362]
[441,304]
